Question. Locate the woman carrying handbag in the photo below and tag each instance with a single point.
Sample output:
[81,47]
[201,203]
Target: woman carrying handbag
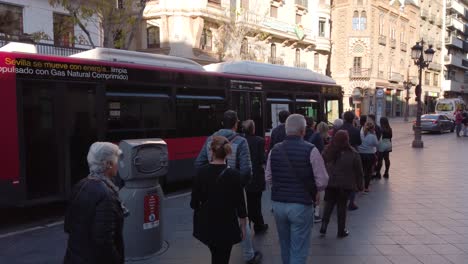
[220,215]
[384,148]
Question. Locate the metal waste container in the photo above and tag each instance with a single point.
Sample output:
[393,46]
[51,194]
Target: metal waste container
[142,162]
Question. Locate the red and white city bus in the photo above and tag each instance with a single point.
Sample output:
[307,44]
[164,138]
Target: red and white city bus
[53,108]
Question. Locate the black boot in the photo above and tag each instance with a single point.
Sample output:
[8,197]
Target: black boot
[343,233]
[323,228]
[386,175]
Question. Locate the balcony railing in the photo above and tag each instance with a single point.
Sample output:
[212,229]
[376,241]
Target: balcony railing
[403,46]
[383,40]
[454,41]
[299,64]
[302,3]
[395,77]
[392,43]
[274,60]
[359,73]
[47,48]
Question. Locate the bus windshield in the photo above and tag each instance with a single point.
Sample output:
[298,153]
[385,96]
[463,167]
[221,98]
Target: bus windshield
[444,107]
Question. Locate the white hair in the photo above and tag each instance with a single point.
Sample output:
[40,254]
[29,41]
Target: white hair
[337,123]
[100,154]
[295,124]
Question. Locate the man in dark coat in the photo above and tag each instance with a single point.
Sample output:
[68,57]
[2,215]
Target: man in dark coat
[279,133]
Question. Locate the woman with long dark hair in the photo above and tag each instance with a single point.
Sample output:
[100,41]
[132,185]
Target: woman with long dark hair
[367,150]
[385,147]
[220,215]
[345,171]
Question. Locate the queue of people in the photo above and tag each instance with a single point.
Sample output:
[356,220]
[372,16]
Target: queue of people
[232,171]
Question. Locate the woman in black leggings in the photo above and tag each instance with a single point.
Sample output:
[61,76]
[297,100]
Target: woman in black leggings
[385,147]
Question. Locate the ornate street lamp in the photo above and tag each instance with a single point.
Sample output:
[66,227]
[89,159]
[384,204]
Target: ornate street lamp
[407,84]
[422,60]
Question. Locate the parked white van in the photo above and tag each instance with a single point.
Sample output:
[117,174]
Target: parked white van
[448,106]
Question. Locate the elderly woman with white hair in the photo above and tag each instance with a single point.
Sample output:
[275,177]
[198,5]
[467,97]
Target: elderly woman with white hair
[94,217]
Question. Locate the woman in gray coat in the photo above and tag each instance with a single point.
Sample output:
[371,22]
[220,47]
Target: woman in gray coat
[346,175]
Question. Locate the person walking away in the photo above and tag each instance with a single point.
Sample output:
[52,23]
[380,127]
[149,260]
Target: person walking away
[336,125]
[220,215]
[345,171]
[310,124]
[458,121]
[296,171]
[367,151]
[322,130]
[256,186]
[279,133]
[311,136]
[95,214]
[239,159]
[354,141]
[384,149]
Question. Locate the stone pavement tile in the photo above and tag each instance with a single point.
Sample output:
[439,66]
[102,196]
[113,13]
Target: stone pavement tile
[404,260]
[335,259]
[392,250]
[446,249]
[463,247]
[416,230]
[405,239]
[381,240]
[462,239]
[432,259]
[376,260]
[441,231]
[457,259]
[430,239]
[406,223]
[463,230]
[419,249]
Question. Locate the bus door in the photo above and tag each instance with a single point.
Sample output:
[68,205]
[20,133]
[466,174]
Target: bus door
[249,105]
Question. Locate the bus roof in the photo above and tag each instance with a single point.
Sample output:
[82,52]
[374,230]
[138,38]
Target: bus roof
[251,68]
[135,57]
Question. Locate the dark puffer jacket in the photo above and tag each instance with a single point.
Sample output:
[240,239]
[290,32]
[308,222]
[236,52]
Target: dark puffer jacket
[94,222]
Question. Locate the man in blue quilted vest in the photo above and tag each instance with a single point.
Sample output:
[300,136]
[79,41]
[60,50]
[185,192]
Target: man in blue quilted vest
[296,171]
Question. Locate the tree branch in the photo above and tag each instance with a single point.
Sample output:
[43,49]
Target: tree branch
[85,30]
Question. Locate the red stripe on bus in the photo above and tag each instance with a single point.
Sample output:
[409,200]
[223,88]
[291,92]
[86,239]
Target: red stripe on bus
[184,148]
[9,153]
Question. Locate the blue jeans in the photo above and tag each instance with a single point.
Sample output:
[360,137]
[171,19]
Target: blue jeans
[294,223]
[248,251]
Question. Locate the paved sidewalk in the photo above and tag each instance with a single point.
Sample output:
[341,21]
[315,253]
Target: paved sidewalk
[420,215]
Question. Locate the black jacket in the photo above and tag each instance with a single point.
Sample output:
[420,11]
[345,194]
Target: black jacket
[354,134]
[257,157]
[94,222]
[277,135]
[218,202]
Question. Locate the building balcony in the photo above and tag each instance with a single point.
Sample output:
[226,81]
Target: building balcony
[453,86]
[283,29]
[395,77]
[323,44]
[383,40]
[301,4]
[424,13]
[455,6]
[454,41]
[278,61]
[454,23]
[435,66]
[392,43]
[403,46]
[46,47]
[359,73]
[457,61]
[299,64]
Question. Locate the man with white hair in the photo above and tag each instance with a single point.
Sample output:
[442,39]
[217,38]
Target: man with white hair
[296,171]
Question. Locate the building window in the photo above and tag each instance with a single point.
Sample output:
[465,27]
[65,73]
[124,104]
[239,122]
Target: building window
[120,4]
[273,11]
[357,63]
[427,78]
[206,40]
[380,67]
[152,34]
[381,25]
[11,19]
[244,47]
[436,79]
[322,27]
[273,51]
[356,20]
[359,2]
[244,4]
[363,21]
[452,76]
[316,61]
[392,30]
[298,19]
[298,57]
[64,30]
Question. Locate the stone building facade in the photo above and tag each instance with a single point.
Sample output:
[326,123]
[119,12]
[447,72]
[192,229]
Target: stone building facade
[371,53]
[293,33]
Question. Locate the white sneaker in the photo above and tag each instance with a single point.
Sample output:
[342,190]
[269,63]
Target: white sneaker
[317,219]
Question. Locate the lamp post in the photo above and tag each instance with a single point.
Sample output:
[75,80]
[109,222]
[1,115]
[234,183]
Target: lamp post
[422,60]
[407,84]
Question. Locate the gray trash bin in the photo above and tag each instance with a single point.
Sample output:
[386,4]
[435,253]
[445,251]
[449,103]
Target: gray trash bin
[143,161]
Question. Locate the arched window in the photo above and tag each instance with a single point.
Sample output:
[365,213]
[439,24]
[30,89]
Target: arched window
[206,40]
[381,24]
[244,50]
[152,37]
[363,20]
[356,20]
[273,51]
[298,58]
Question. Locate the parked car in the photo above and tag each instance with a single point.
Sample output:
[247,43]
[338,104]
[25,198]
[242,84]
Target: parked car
[436,123]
